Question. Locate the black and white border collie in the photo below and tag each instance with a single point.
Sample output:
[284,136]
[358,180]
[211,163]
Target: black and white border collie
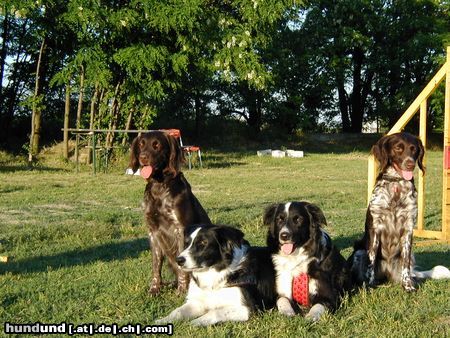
[230,279]
[311,274]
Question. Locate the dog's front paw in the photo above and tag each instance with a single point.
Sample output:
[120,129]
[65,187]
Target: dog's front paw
[315,313]
[285,307]
[181,289]
[155,287]
[409,286]
[154,290]
[407,281]
[200,322]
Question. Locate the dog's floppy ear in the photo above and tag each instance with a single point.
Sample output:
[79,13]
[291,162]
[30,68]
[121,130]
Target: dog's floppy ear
[421,155]
[317,216]
[269,220]
[269,214]
[381,152]
[134,154]
[175,157]
[228,239]
[191,228]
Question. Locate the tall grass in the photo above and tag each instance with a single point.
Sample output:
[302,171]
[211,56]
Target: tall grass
[78,250]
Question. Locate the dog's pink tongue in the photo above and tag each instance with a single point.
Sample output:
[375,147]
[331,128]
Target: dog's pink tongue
[407,175]
[287,248]
[146,171]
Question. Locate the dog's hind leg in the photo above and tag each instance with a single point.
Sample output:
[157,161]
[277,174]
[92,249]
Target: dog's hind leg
[183,278]
[374,243]
[358,266]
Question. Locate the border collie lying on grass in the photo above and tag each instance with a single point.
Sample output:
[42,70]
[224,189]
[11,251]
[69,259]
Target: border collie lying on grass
[310,272]
[230,279]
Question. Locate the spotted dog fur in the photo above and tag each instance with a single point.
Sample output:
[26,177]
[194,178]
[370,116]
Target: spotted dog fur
[385,251]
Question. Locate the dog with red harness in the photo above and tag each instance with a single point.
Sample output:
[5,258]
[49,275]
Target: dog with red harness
[311,274]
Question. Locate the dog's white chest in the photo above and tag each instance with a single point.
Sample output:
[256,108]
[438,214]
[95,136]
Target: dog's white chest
[287,268]
[215,298]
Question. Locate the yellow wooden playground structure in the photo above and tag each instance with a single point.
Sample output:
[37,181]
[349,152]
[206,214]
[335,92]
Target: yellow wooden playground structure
[420,105]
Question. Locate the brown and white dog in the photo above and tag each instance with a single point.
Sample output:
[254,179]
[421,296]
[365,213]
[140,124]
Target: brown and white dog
[169,204]
[385,251]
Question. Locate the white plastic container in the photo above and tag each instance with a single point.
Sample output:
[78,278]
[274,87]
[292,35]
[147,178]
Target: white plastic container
[265,152]
[278,153]
[294,153]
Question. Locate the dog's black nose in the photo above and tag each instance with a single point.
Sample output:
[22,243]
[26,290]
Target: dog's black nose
[143,158]
[285,236]
[410,164]
[181,260]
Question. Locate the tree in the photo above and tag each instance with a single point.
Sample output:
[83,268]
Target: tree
[36,109]
[378,53]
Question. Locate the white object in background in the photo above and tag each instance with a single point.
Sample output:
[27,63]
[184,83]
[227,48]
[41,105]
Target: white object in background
[294,153]
[264,152]
[129,171]
[278,153]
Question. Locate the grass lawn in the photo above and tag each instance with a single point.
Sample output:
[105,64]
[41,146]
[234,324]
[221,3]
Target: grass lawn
[78,251]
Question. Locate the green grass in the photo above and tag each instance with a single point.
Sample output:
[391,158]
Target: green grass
[78,249]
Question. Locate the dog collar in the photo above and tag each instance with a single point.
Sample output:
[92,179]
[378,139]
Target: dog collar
[391,178]
[300,289]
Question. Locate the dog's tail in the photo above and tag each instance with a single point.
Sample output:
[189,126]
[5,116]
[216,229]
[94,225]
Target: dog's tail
[438,272]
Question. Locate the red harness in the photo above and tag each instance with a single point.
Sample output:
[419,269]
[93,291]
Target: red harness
[300,289]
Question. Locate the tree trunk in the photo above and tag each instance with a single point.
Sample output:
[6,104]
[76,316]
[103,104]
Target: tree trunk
[102,102]
[255,111]
[357,109]
[80,97]
[113,126]
[342,99]
[4,52]
[36,111]
[128,126]
[79,110]
[113,112]
[14,87]
[198,113]
[66,124]
[92,118]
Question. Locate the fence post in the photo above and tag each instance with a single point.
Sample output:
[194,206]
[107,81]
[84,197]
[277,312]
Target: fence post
[94,157]
[446,171]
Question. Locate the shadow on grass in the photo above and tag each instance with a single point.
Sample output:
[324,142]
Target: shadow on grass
[224,160]
[428,259]
[8,189]
[225,164]
[105,252]
[14,168]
